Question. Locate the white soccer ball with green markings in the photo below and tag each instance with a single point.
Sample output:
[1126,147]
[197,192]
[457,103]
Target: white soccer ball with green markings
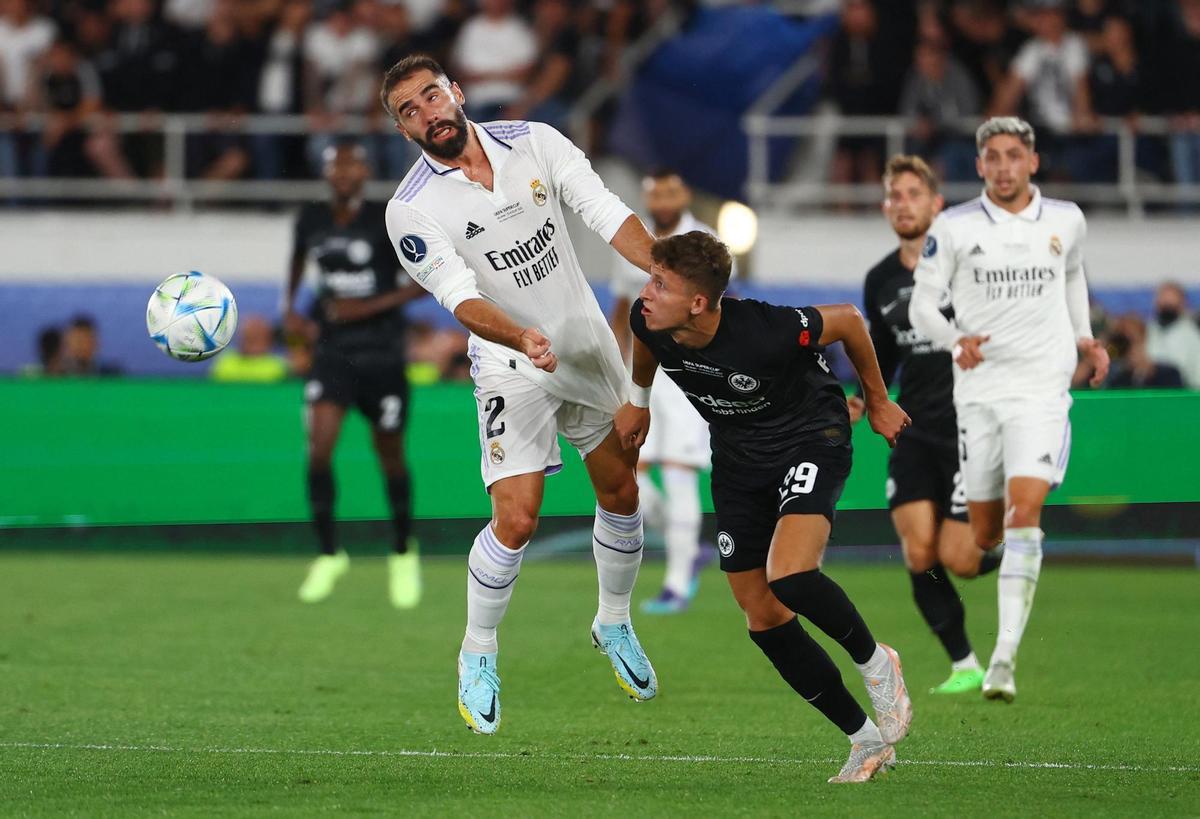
[191,316]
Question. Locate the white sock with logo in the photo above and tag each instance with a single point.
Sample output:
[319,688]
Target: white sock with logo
[1019,570]
[617,546]
[492,570]
[683,526]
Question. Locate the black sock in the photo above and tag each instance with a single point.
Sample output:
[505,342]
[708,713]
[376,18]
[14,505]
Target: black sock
[816,597]
[991,560]
[942,609]
[320,501]
[806,667]
[399,492]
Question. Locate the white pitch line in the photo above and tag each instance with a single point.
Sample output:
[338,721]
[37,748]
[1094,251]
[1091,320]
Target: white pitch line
[435,754]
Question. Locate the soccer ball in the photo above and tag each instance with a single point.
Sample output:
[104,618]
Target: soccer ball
[191,316]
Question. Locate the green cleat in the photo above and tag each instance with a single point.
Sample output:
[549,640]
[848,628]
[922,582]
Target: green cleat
[961,682]
[404,578]
[323,574]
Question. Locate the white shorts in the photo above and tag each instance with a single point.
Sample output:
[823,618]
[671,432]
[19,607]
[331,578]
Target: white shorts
[1013,438]
[519,422]
[678,435]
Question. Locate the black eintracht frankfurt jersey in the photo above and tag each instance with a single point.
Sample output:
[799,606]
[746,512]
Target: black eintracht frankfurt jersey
[761,383]
[926,374]
[356,261]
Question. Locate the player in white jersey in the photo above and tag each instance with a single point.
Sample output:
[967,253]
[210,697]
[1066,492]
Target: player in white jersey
[1013,262]
[478,221]
[678,442]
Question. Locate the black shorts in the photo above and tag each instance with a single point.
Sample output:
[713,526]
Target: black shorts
[374,382]
[920,469]
[748,507]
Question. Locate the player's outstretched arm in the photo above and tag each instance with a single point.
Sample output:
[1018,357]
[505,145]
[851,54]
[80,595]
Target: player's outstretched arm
[843,322]
[633,241]
[632,421]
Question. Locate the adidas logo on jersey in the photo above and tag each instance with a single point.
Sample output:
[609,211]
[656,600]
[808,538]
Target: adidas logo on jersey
[1046,459]
[473,230]
[976,251]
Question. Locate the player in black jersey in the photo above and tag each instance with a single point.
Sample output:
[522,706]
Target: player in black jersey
[780,436]
[925,489]
[359,361]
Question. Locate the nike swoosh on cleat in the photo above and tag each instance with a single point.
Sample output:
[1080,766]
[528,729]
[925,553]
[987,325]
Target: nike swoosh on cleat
[490,716]
[638,681]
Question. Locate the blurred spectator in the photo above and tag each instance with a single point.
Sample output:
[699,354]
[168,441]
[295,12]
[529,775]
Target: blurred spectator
[188,14]
[938,93]
[492,58]
[253,360]
[1088,18]
[24,37]
[439,32]
[983,41]
[1049,72]
[396,153]
[281,90]
[340,77]
[556,80]
[49,363]
[865,71]
[1113,80]
[1174,337]
[81,349]
[436,354]
[218,69]
[1132,364]
[67,90]
[1184,101]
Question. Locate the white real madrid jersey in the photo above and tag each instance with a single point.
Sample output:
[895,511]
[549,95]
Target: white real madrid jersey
[1015,277]
[510,246]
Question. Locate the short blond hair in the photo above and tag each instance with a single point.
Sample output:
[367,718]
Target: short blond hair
[910,163]
[1012,126]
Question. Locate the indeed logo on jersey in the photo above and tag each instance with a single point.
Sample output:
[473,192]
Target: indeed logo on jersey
[1014,282]
[531,260]
[724,406]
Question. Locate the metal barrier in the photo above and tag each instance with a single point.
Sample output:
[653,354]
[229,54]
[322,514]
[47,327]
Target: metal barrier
[761,126]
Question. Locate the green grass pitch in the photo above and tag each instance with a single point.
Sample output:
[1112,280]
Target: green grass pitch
[195,686]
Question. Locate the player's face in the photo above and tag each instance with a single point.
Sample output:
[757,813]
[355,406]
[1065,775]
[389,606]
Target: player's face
[346,173]
[1006,166]
[910,206]
[429,112]
[666,200]
[669,301]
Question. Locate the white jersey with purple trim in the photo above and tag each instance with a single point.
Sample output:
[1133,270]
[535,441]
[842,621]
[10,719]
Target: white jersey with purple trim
[510,246]
[1015,277]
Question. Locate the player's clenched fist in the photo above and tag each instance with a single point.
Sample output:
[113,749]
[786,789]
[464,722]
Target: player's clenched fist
[887,419]
[1097,356]
[537,347]
[632,425]
[967,352]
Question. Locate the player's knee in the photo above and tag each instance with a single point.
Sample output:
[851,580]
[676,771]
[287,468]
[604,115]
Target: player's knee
[987,537]
[920,554]
[962,562]
[320,459]
[765,612]
[1023,514]
[515,526]
[621,498]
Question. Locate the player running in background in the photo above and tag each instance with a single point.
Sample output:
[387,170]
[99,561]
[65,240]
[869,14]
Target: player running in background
[781,454]
[924,482]
[359,362]
[678,443]
[1013,264]
[478,221]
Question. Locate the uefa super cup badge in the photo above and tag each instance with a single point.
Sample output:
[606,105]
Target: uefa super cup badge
[540,194]
[1055,246]
[496,453]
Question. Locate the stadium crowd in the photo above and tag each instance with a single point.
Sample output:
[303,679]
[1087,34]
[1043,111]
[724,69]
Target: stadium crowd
[1064,64]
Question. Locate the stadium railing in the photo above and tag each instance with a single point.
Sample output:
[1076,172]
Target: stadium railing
[761,127]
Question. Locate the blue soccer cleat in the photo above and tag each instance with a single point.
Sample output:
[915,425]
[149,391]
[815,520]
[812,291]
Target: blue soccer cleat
[667,602]
[479,692]
[632,668]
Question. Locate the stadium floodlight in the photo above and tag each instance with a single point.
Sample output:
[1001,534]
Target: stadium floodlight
[737,225]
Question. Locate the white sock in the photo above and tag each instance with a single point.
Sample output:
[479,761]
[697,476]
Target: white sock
[617,546]
[683,526]
[1019,570]
[968,663]
[653,503]
[877,665]
[492,570]
[868,733]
